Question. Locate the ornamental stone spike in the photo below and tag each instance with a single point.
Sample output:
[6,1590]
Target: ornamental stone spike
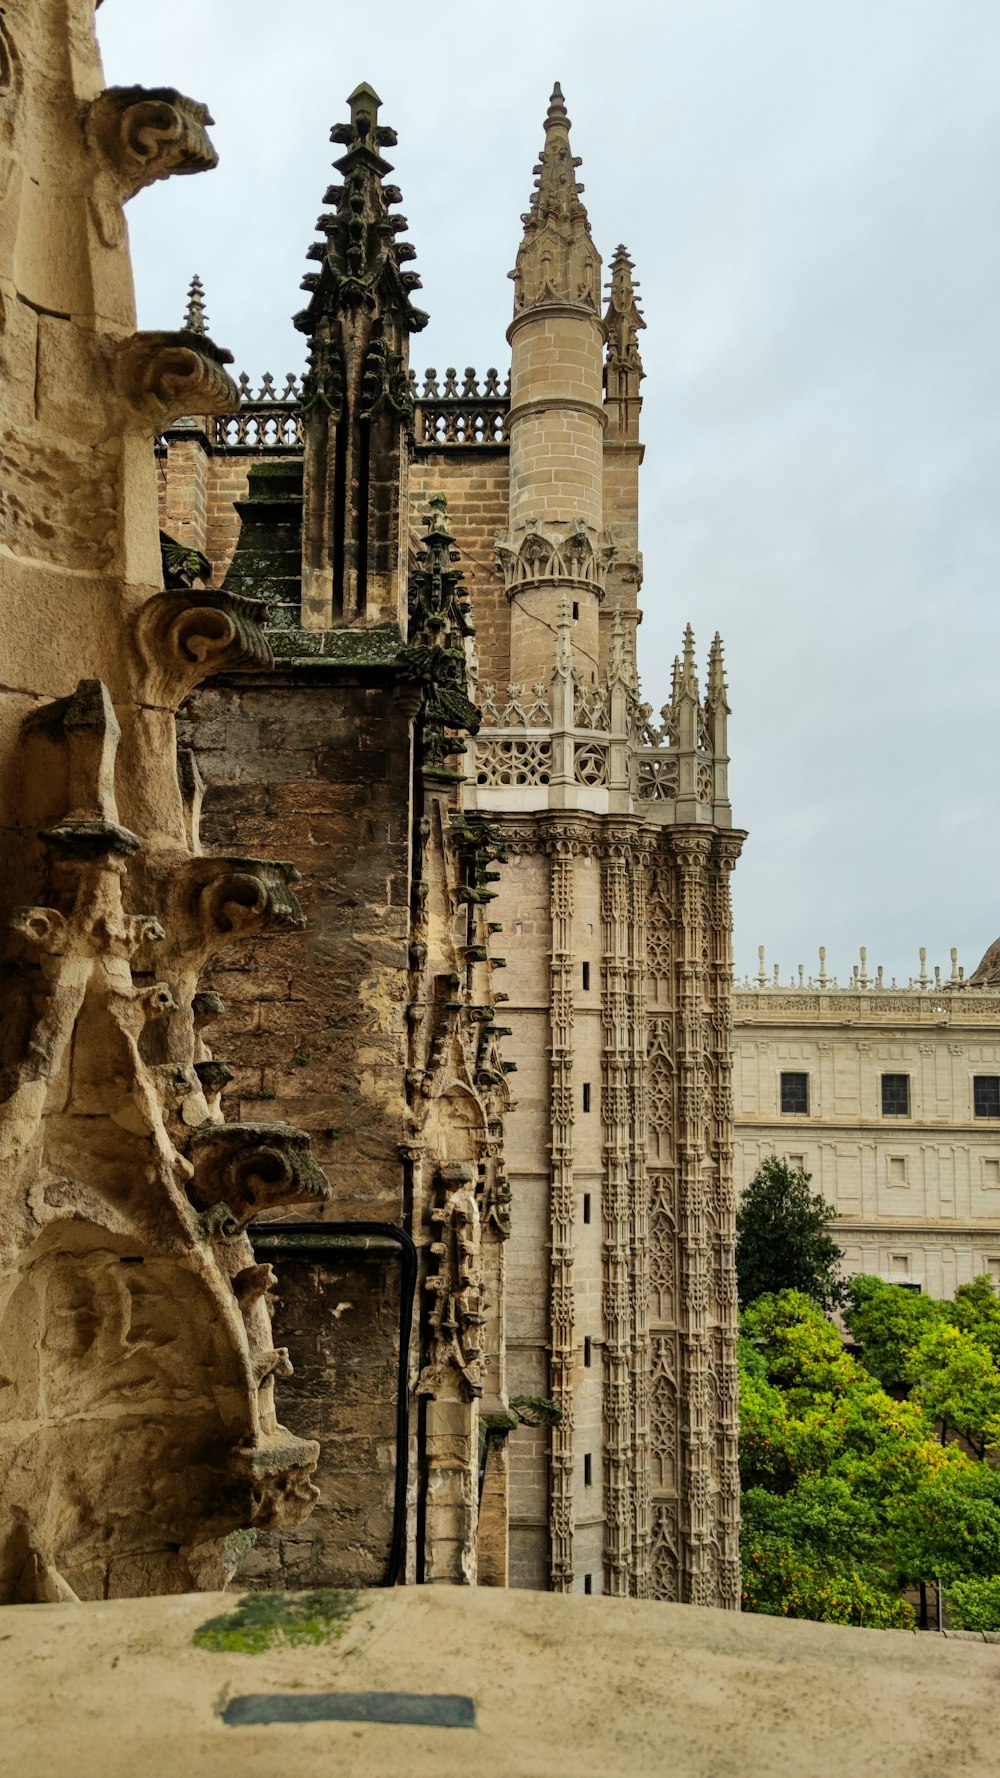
[195,319]
[623,317]
[557,260]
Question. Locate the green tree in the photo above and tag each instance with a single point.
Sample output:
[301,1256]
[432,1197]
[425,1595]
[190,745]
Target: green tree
[946,1354]
[888,1322]
[783,1239]
[975,1604]
[956,1380]
[849,1495]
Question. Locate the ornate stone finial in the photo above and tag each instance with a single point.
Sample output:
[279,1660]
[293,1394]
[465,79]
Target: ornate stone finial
[435,658]
[361,258]
[195,319]
[715,691]
[623,317]
[557,261]
[688,678]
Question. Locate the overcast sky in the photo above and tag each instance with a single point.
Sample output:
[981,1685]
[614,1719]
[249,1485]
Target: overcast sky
[809,189]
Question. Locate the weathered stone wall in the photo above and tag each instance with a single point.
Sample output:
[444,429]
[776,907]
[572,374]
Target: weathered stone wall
[339,1319]
[315,1031]
[475,483]
[198,488]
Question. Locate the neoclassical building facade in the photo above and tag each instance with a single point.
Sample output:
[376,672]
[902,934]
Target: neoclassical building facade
[889,1096]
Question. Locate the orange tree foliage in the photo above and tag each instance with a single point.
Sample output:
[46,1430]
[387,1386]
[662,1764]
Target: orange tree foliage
[849,1496]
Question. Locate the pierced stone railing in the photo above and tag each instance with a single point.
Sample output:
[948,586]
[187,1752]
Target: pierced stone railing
[457,411]
[270,420]
[451,412]
[517,711]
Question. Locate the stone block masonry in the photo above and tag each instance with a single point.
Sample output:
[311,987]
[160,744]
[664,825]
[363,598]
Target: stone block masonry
[315,1032]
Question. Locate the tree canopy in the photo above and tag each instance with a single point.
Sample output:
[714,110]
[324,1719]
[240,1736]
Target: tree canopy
[783,1239]
[849,1493]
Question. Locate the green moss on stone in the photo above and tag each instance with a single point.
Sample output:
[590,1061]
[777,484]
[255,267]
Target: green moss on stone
[279,1620]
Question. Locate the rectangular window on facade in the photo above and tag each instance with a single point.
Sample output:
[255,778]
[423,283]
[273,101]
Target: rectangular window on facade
[586,1095]
[795,1092]
[897,1169]
[588,1583]
[586,977]
[986,1095]
[587,1350]
[991,1173]
[586,1206]
[895,1095]
[588,1470]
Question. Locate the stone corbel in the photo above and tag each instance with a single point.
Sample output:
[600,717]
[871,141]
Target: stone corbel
[216,899]
[163,376]
[183,638]
[142,134]
[254,1167]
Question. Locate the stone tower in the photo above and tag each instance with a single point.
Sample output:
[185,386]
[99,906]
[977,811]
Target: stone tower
[617,1410]
[622,1299]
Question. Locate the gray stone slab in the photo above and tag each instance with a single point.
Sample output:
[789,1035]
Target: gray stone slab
[441,1710]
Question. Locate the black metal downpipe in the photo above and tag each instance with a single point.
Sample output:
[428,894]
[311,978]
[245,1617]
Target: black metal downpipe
[304,1240]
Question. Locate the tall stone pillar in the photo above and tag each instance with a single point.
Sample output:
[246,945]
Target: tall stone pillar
[623,453]
[562,1238]
[555,549]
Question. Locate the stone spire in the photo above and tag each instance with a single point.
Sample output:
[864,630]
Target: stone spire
[361,258]
[623,317]
[357,399]
[195,319]
[557,261]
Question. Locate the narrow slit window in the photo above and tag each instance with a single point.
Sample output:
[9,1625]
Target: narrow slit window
[588,1470]
[586,1351]
[586,981]
[576,611]
[586,1095]
[586,1206]
[588,1583]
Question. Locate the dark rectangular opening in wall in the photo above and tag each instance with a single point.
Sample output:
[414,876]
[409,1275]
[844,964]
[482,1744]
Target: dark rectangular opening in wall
[586,977]
[588,1470]
[314,1287]
[795,1093]
[895,1095]
[586,1206]
[586,1351]
[339,519]
[588,1583]
[576,612]
[986,1095]
[586,1095]
[364,517]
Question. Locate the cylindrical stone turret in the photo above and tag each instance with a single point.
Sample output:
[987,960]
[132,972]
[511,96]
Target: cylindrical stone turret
[553,556]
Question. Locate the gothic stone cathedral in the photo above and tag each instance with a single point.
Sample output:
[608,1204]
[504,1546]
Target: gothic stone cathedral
[615,1272]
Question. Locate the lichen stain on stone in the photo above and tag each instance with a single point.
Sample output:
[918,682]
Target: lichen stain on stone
[265,1621]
